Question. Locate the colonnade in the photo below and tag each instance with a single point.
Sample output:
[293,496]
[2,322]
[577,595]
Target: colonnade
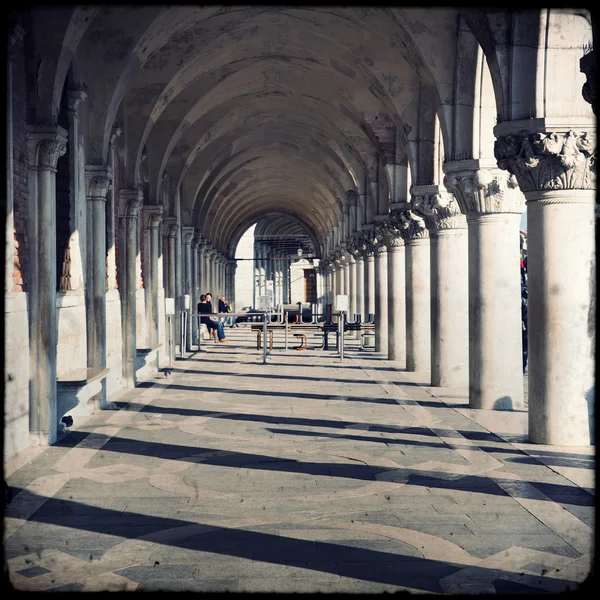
[271,265]
[441,274]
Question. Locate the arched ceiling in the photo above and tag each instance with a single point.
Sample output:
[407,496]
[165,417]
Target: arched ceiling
[254,111]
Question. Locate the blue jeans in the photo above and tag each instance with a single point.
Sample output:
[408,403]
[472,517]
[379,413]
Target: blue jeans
[218,326]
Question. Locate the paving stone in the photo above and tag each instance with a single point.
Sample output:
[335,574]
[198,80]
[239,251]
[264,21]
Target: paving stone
[305,465]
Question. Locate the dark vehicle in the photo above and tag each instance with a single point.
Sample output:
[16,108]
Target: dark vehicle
[253,316]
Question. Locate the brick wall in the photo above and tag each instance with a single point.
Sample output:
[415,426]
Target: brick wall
[20,167]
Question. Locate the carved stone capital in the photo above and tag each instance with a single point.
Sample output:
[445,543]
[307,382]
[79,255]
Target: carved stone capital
[187,233]
[46,144]
[484,191]
[98,180]
[391,232]
[550,160]
[365,246]
[131,202]
[154,214]
[116,131]
[74,98]
[170,227]
[440,211]
[411,225]
[197,239]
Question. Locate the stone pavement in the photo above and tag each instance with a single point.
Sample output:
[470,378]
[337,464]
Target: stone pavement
[306,474]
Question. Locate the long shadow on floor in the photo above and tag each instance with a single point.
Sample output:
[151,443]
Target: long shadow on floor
[562,459]
[328,557]
[555,458]
[262,393]
[366,381]
[432,479]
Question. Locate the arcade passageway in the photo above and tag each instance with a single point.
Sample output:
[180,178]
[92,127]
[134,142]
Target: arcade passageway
[304,474]
[379,157]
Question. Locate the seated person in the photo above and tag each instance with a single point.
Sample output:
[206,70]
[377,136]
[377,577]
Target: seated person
[205,308]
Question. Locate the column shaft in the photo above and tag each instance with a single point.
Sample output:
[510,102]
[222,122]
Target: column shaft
[561,284]
[418,327]
[397,303]
[133,202]
[352,288]
[360,287]
[495,369]
[381,301]
[47,144]
[449,308]
[369,286]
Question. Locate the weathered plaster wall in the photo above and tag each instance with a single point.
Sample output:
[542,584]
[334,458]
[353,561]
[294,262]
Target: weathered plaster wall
[114,380]
[16,374]
[71,352]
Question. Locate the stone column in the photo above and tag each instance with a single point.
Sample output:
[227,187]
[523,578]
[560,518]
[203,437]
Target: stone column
[153,214]
[201,268]
[368,252]
[98,180]
[187,234]
[208,254]
[169,240]
[333,278]
[339,275]
[555,168]
[346,274]
[79,215]
[360,284]
[196,241]
[449,285]
[261,270]
[232,265]
[46,144]
[396,294]
[351,286]
[131,201]
[418,310]
[381,296]
[206,268]
[493,203]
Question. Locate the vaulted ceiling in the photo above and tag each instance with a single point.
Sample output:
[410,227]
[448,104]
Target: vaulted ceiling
[250,111]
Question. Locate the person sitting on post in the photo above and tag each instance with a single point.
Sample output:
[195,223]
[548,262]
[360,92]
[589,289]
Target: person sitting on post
[205,308]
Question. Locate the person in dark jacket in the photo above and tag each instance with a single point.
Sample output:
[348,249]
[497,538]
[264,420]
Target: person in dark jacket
[524,326]
[205,308]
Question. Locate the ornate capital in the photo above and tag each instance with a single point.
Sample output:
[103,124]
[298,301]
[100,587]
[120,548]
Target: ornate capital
[187,233]
[74,98]
[554,160]
[46,144]
[98,180]
[365,246]
[392,233]
[484,191]
[116,131]
[153,214]
[440,211]
[131,202]
[170,227]
[197,239]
